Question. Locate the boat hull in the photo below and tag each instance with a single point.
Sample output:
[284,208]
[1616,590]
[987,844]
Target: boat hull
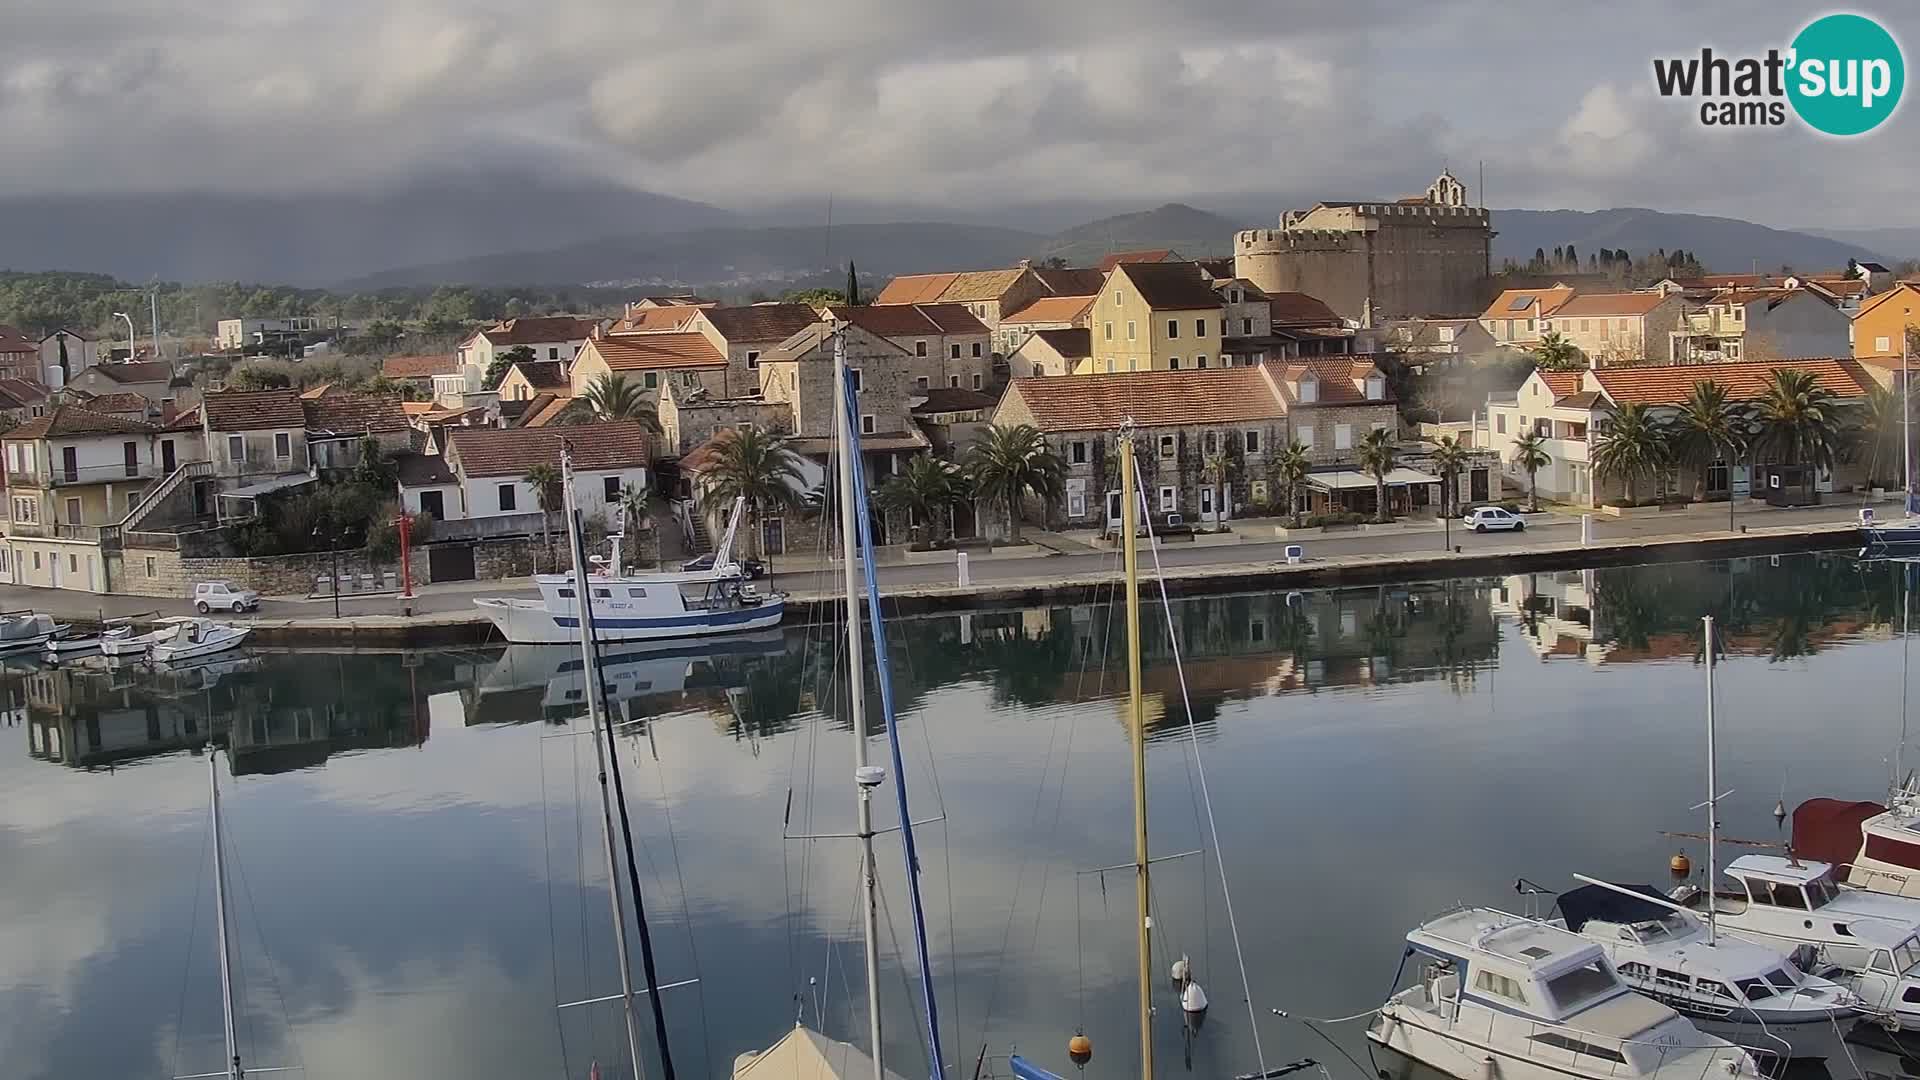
[180,652]
[528,622]
[1412,1034]
[1903,539]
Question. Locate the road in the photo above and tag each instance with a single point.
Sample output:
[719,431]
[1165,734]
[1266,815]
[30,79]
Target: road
[1543,529]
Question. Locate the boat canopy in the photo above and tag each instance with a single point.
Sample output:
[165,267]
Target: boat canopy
[805,1054]
[1829,829]
[1588,902]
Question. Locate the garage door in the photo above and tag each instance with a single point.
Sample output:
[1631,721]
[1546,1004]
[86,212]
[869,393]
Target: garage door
[450,562]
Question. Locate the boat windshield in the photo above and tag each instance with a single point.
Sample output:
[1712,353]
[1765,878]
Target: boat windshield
[1820,893]
[1906,956]
[1589,982]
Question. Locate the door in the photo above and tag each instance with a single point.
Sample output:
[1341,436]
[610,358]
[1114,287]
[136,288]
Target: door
[202,499]
[1477,486]
[773,537]
[434,504]
[1113,509]
[449,562]
[167,462]
[1206,503]
[70,463]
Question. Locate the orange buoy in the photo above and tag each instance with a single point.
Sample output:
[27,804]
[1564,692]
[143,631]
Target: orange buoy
[1080,1049]
[1680,864]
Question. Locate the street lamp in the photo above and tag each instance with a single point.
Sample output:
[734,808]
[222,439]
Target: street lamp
[129,321]
[333,550]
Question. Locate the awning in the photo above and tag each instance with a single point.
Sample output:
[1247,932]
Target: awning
[1349,479]
[267,487]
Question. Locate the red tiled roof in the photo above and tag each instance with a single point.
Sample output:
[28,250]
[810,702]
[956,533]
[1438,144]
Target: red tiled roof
[541,329]
[486,451]
[1608,305]
[72,420]
[1171,286]
[1335,376]
[125,401]
[315,393]
[970,286]
[137,371]
[184,420]
[1150,398]
[419,366]
[540,415]
[13,341]
[253,410]
[915,289]
[19,393]
[1051,309]
[1540,303]
[657,352]
[1149,255]
[760,323]
[363,413]
[909,320]
[656,318]
[1743,380]
[1561,383]
[1300,309]
[1905,288]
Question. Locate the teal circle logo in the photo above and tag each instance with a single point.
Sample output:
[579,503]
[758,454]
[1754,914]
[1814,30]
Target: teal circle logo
[1846,74]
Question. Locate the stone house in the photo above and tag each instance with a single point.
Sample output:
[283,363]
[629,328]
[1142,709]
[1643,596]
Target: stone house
[255,435]
[952,418]
[528,380]
[953,346]
[1155,317]
[551,337]
[20,357]
[418,370]
[154,380]
[990,295]
[1051,352]
[690,418]
[1762,324]
[1046,313]
[745,332]
[688,360]
[1437,341]
[1620,328]
[491,464]
[338,425]
[1518,317]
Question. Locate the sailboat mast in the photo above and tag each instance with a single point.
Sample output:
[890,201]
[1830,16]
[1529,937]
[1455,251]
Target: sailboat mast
[1137,725]
[234,1071]
[1713,789]
[856,698]
[596,715]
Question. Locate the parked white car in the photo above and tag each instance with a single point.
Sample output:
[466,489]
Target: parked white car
[1493,519]
[224,595]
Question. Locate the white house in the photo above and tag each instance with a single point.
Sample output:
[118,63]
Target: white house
[490,466]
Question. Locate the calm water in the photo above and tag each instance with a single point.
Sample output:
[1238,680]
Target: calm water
[417,874]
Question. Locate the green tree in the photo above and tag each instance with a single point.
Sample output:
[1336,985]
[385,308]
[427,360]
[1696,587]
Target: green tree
[1290,469]
[1877,439]
[1007,462]
[1449,460]
[502,361]
[925,490]
[375,467]
[612,397]
[1530,453]
[754,465]
[1634,445]
[548,495]
[1556,353]
[1376,453]
[380,335]
[815,297]
[632,506]
[258,377]
[1709,427]
[1798,422]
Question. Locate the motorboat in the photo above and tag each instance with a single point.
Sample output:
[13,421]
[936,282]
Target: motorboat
[1499,995]
[191,637]
[1743,991]
[120,640]
[1790,902]
[1873,847]
[640,607]
[67,643]
[22,630]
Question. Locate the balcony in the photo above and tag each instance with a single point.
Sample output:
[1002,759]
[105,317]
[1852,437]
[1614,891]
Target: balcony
[80,475]
[53,530]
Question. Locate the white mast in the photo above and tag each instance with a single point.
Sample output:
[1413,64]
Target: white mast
[233,1069]
[596,711]
[1713,797]
[864,780]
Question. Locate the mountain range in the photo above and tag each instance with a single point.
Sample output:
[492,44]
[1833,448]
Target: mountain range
[502,229]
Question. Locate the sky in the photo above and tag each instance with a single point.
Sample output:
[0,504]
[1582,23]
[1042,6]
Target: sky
[756,103]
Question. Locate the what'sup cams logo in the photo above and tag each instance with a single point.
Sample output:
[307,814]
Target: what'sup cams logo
[1842,75]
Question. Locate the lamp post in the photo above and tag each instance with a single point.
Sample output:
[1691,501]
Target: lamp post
[128,319]
[405,523]
[333,551]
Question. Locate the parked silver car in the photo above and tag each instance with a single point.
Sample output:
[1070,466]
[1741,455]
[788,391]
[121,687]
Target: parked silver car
[224,595]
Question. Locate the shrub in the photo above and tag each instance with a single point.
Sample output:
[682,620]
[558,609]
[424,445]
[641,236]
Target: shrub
[1336,517]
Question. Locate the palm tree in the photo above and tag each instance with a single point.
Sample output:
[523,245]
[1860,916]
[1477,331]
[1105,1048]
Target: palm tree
[1878,436]
[612,397]
[1449,460]
[1798,422]
[1530,453]
[548,495]
[1215,468]
[1556,353]
[924,490]
[1290,469]
[1008,462]
[1707,429]
[754,465]
[632,507]
[1634,445]
[1377,457]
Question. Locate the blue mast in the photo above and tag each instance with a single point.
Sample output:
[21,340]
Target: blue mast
[935,1058]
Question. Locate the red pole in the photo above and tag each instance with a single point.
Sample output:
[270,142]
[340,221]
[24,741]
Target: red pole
[406,571]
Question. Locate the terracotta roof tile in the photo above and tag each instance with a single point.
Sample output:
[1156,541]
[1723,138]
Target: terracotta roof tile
[543,374]
[1051,309]
[540,329]
[184,420]
[1336,378]
[486,451]
[915,289]
[657,352]
[545,414]
[19,393]
[1670,385]
[419,366]
[315,393]
[71,420]
[1148,255]
[1561,383]
[1539,303]
[1300,309]
[363,413]
[253,410]
[1151,398]
[126,401]
[941,399]
[971,286]
[656,318]
[760,322]
[1171,286]
[1904,288]
[908,320]
[1608,305]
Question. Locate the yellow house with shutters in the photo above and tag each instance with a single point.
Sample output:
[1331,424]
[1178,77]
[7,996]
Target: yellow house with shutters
[1154,317]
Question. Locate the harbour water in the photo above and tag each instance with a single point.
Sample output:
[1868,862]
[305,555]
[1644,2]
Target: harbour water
[414,837]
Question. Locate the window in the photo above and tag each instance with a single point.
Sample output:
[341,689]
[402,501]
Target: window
[73,511]
[1717,476]
[1887,850]
[854,375]
[553,352]
[1109,332]
[1076,500]
[566,594]
[651,380]
[604,594]
[1882,344]
[1038,371]
[611,486]
[1130,334]
[1078,452]
[282,445]
[1200,328]
[919,348]
[953,351]
[1173,328]
[1109,365]
[1492,982]
[1246,327]
[1200,361]
[1717,989]
[923,384]
[1376,388]
[1253,441]
[133,501]
[1567,1042]
[977,383]
[1343,436]
[637,594]
[953,381]
[1305,436]
[1173,363]
[73,564]
[1309,390]
[1583,326]
[976,350]
[1168,500]
[753,359]
[1117,294]
[1631,969]
[1212,442]
[1166,446]
[1500,423]
[866,424]
[36,560]
[1446,333]
[150,567]
[236,448]
[506,497]
[1572,989]
[130,454]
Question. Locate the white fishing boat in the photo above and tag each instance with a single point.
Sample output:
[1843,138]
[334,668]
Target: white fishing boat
[1499,995]
[1740,990]
[642,607]
[119,639]
[67,643]
[191,637]
[1788,902]
[23,630]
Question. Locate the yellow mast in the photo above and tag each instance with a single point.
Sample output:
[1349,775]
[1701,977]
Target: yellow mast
[1137,726]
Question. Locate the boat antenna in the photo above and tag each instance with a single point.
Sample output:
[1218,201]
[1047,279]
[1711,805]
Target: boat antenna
[865,777]
[1137,724]
[858,497]
[597,717]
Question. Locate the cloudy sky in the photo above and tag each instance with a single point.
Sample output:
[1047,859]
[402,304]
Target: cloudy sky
[751,103]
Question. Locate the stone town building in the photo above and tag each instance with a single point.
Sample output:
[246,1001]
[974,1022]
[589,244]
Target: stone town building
[19,357]
[1155,317]
[990,295]
[154,380]
[690,418]
[1046,313]
[1519,317]
[1051,352]
[64,354]
[1428,255]
[529,379]
[688,360]
[740,333]
[952,345]
[1620,328]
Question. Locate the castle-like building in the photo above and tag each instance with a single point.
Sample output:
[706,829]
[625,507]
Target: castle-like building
[1372,261]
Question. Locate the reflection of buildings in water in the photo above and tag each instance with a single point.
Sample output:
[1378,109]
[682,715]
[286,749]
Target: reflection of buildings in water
[86,717]
[1557,613]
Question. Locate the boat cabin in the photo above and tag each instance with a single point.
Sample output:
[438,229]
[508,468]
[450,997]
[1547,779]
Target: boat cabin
[1787,884]
[1515,964]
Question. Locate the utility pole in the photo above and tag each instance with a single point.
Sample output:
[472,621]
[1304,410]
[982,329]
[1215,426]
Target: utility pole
[153,303]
